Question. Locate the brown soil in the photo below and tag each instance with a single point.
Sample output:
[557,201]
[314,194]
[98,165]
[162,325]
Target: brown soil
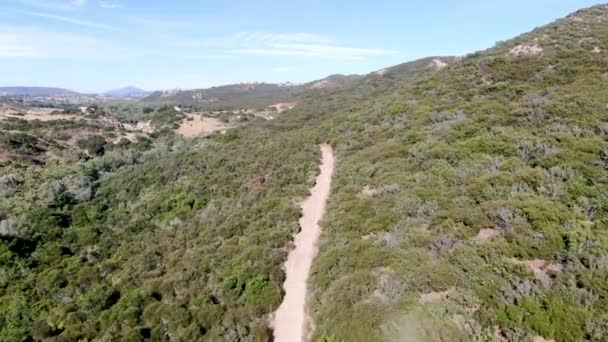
[486,234]
[291,322]
[201,126]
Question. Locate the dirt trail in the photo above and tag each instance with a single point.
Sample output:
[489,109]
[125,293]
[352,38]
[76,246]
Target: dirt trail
[291,321]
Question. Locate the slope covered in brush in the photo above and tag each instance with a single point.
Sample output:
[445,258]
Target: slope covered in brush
[180,239]
[471,205]
[248,95]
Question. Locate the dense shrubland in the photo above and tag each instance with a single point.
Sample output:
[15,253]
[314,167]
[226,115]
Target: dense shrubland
[468,203]
[174,241]
[512,147]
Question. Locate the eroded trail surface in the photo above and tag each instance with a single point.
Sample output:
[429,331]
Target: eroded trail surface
[291,321]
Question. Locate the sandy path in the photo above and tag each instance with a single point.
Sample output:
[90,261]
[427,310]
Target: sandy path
[291,321]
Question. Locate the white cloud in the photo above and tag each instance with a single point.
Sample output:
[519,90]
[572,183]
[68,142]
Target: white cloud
[109,5]
[282,37]
[72,21]
[281,44]
[314,50]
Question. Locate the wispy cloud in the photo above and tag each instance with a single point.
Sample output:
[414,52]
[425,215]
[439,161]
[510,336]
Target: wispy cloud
[73,21]
[38,43]
[266,37]
[109,5]
[314,50]
[161,23]
[281,44]
[55,4]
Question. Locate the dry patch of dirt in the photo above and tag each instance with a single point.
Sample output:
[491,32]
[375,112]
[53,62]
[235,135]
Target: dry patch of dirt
[256,181]
[526,50]
[435,296]
[370,236]
[369,191]
[141,126]
[437,64]
[50,114]
[6,110]
[499,335]
[196,125]
[271,111]
[486,234]
[380,72]
[541,268]
[7,114]
[42,114]
[283,106]
[323,84]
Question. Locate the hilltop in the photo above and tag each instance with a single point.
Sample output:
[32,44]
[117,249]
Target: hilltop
[468,203]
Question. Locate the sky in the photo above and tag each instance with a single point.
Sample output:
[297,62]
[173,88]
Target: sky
[98,45]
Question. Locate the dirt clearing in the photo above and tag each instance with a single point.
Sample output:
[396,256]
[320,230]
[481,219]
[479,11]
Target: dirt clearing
[196,125]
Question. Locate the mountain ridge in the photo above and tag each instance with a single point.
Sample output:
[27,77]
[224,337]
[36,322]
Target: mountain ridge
[35,91]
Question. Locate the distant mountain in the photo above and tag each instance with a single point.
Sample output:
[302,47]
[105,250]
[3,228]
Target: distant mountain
[35,91]
[128,91]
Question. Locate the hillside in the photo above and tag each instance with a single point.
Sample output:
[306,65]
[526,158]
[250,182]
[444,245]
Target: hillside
[247,95]
[34,91]
[471,205]
[468,203]
[229,96]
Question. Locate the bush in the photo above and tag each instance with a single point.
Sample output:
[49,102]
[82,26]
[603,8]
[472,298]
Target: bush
[94,145]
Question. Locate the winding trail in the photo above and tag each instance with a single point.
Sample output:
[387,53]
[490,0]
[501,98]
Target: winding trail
[291,322]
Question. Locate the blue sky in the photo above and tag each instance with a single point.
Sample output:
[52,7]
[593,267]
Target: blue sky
[96,45]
